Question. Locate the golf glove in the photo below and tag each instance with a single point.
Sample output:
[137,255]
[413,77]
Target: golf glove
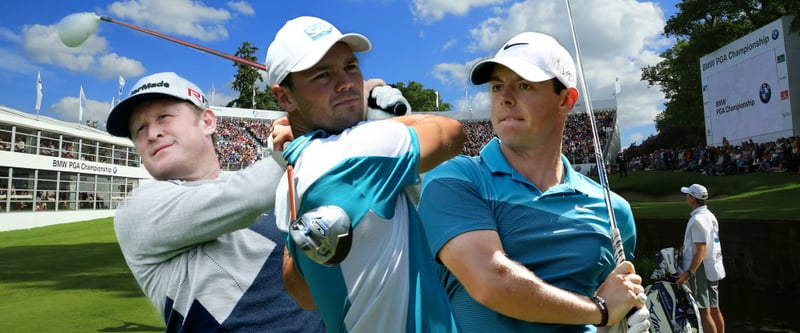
[639,321]
[636,322]
[386,102]
[276,155]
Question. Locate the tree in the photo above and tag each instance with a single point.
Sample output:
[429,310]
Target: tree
[244,81]
[701,27]
[421,99]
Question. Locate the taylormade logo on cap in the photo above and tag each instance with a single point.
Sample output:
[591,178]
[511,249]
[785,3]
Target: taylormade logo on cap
[302,42]
[533,56]
[159,85]
[191,94]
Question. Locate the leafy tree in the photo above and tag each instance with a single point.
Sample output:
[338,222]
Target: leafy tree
[245,82]
[421,99]
[701,27]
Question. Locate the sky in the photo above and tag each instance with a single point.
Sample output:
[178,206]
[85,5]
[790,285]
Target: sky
[433,42]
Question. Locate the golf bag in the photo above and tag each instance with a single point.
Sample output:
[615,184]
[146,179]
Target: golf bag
[672,306]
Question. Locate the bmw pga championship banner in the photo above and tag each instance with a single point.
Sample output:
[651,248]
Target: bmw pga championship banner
[746,88]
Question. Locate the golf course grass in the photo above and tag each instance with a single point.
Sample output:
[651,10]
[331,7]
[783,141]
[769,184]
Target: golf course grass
[72,277]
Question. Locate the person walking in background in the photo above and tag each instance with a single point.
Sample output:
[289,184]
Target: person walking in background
[362,258]
[523,239]
[622,165]
[702,259]
[202,245]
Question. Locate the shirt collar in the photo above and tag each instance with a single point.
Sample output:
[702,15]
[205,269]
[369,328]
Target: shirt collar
[496,162]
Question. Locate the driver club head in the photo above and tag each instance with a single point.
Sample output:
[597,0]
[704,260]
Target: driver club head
[75,29]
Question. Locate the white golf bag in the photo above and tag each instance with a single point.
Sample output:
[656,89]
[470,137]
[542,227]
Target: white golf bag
[672,306]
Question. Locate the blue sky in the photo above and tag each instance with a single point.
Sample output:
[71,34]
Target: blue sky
[433,42]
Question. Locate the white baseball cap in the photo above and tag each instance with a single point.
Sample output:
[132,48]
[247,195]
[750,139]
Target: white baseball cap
[696,190]
[302,42]
[159,85]
[533,56]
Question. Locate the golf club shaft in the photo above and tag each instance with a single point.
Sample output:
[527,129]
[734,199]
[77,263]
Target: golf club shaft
[189,44]
[394,109]
[616,238]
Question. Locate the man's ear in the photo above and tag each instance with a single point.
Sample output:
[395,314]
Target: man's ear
[284,97]
[209,120]
[569,99]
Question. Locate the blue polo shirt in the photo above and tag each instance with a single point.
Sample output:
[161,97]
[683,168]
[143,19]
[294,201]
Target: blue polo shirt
[561,235]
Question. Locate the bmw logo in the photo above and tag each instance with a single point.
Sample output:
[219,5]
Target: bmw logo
[765,93]
[775,34]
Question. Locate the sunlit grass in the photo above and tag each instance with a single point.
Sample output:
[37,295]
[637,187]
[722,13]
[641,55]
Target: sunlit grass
[72,277]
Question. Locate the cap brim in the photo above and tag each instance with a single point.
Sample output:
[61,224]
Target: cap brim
[482,71]
[118,122]
[357,42]
[685,190]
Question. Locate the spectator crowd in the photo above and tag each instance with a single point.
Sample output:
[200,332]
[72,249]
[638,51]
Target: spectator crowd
[241,142]
[780,155]
[578,146]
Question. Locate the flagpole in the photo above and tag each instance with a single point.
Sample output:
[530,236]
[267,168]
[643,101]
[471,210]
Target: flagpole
[80,106]
[617,90]
[38,105]
[121,85]
[213,94]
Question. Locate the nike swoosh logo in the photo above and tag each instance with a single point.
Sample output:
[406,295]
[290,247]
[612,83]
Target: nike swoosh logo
[582,209]
[512,45]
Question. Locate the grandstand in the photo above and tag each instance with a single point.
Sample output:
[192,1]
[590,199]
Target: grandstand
[578,146]
[57,172]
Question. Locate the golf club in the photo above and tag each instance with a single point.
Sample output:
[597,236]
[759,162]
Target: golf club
[616,238]
[74,29]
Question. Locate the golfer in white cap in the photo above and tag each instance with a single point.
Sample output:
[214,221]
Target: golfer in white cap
[366,266]
[524,240]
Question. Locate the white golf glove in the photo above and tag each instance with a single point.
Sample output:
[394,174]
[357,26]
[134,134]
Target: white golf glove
[386,102]
[636,322]
[276,155]
[639,321]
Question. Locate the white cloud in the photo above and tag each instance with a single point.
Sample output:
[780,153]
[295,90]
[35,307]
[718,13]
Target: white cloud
[636,137]
[618,43]
[112,65]
[451,74]
[41,44]
[8,35]
[241,7]
[434,10]
[449,44]
[181,17]
[67,109]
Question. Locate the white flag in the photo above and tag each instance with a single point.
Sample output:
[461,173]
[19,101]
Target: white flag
[213,94]
[437,100]
[254,96]
[617,87]
[81,100]
[38,92]
[121,84]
